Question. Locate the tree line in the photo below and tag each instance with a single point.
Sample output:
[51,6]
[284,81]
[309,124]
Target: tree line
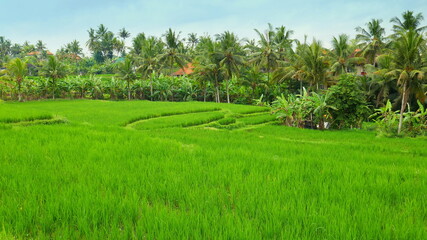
[226,68]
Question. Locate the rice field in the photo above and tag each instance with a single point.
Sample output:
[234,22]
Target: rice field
[160,170]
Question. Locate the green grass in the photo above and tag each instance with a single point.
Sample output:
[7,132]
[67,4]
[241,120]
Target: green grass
[178,120]
[93,178]
[258,119]
[13,117]
[165,114]
[227,121]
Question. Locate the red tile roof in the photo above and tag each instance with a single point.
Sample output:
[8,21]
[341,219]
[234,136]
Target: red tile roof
[186,70]
[38,53]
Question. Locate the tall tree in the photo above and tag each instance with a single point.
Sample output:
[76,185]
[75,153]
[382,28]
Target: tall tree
[381,84]
[54,70]
[74,48]
[173,52]
[16,70]
[266,54]
[126,72]
[340,52]
[5,48]
[192,40]
[408,22]
[283,41]
[410,69]
[102,43]
[231,55]
[123,34]
[147,59]
[371,39]
[137,43]
[314,63]
[209,63]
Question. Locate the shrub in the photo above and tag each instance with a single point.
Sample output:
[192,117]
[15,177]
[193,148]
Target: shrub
[414,123]
[386,120]
[350,102]
[304,110]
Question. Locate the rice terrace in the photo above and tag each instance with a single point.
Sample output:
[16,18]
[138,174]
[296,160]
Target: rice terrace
[195,135]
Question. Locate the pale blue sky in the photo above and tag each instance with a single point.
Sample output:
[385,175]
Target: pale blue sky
[57,22]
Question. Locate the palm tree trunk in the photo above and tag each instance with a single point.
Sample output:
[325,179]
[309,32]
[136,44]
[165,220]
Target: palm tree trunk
[402,107]
[53,89]
[19,91]
[204,93]
[228,94]
[128,91]
[217,89]
[151,88]
[253,91]
[218,100]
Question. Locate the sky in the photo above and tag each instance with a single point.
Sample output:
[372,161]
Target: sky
[57,22]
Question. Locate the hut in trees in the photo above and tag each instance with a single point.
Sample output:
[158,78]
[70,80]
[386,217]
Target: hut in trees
[186,70]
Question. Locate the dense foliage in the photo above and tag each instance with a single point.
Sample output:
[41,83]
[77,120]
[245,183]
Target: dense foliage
[225,68]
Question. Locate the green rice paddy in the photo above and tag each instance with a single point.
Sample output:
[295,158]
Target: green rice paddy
[161,170]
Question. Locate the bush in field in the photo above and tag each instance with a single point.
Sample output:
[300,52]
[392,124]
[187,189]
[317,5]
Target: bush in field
[386,120]
[349,100]
[305,109]
[292,111]
[414,123]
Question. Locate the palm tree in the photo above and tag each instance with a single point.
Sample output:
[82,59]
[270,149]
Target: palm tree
[137,43]
[314,64]
[5,48]
[203,77]
[172,39]
[283,41]
[174,51]
[147,60]
[15,50]
[231,56]
[92,42]
[74,48]
[172,56]
[209,63]
[126,72]
[27,47]
[254,79]
[192,40]
[381,84]
[340,51]
[102,43]
[40,46]
[16,69]
[410,67]
[371,39]
[266,54]
[409,22]
[54,69]
[123,34]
